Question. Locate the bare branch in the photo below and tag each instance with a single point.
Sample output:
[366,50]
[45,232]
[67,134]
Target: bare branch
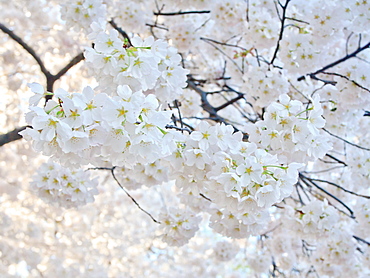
[123,33]
[240,96]
[348,79]
[182,129]
[306,179]
[202,195]
[50,78]
[11,136]
[337,62]
[340,187]
[361,240]
[71,63]
[344,140]
[282,20]
[28,48]
[181,13]
[128,194]
[227,56]
[336,159]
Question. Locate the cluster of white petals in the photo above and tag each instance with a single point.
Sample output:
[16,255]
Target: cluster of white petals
[83,128]
[150,65]
[61,186]
[80,14]
[225,250]
[241,181]
[231,138]
[292,130]
[178,226]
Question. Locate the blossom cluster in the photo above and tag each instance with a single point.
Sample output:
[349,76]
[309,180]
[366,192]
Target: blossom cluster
[317,216]
[150,65]
[225,250]
[83,128]
[291,75]
[241,181]
[178,226]
[265,84]
[80,14]
[291,130]
[58,185]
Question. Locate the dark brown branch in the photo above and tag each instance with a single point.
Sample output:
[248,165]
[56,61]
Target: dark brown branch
[203,196]
[156,26]
[132,199]
[346,141]
[311,181]
[71,63]
[336,159]
[182,129]
[181,13]
[282,20]
[298,20]
[11,136]
[123,33]
[29,49]
[205,103]
[128,194]
[348,79]
[226,44]
[340,187]
[361,240]
[210,42]
[341,60]
[231,101]
[50,78]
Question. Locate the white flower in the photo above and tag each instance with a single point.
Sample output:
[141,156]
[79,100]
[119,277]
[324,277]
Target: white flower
[60,186]
[39,93]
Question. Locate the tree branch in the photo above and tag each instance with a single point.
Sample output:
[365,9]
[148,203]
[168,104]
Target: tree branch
[340,187]
[128,194]
[341,60]
[348,79]
[50,78]
[29,49]
[311,181]
[123,33]
[282,19]
[181,13]
[11,136]
[344,140]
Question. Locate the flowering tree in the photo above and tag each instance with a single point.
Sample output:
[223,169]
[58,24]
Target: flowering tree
[185,138]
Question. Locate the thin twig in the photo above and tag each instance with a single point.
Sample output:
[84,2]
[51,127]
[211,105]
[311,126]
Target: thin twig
[50,78]
[348,79]
[361,239]
[178,128]
[28,48]
[128,194]
[227,56]
[202,195]
[282,20]
[341,60]
[340,187]
[344,140]
[305,179]
[231,101]
[181,13]
[225,44]
[336,159]
[122,32]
